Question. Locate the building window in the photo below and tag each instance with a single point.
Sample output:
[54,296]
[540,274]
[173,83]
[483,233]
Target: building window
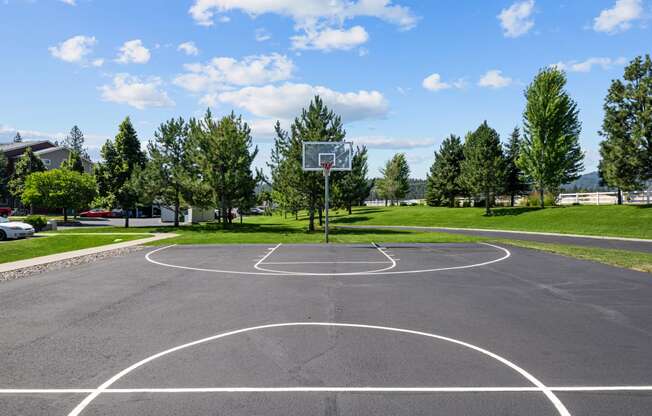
[47,162]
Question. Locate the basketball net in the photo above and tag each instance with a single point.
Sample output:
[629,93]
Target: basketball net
[327,168]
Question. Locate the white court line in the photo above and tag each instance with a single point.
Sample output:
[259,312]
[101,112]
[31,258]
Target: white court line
[326,262]
[478,389]
[392,265]
[550,395]
[371,273]
[271,250]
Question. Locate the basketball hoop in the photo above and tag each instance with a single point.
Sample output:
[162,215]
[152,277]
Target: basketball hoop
[326,166]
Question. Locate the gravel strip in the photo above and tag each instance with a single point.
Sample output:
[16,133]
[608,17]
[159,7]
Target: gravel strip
[57,265]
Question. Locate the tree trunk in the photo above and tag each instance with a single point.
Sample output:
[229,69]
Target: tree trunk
[127,218]
[385,202]
[225,215]
[311,218]
[65,215]
[240,217]
[321,216]
[620,196]
[176,207]
[350,209]
[512,200]
[487,206]
[541,196]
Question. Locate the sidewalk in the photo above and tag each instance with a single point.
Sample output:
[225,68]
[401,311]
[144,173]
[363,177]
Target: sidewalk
[39,261]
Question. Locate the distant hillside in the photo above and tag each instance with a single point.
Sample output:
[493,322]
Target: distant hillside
[587,182]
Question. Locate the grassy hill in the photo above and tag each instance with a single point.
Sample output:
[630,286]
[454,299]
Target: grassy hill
[606,220]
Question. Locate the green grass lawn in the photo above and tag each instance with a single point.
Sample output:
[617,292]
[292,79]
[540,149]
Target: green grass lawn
[606,220]
[15,250]
[621,258]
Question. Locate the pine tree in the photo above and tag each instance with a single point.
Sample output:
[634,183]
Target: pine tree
[224,155]
[74,162]
[443,181]
[4,176]
[18,138]
[167,173]
[550,152]
[26,165]
[515,183]
[620,165]
[75,141]
[317,123]
[483,165]
[284,171]
[354,186]
[627,129]
[121,158]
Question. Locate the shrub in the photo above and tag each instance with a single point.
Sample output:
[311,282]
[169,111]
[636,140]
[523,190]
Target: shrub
[36,221]
[533,200]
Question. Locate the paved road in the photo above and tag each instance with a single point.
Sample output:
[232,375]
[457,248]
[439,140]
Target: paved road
[643,246]
[563,321]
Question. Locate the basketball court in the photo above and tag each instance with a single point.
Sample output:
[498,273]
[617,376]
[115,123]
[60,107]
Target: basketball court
[383,329]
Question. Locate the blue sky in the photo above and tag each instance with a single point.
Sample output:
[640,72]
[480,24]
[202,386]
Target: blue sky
[404,74]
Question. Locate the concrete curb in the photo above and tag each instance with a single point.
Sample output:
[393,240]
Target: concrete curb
[39,261]
[488,230]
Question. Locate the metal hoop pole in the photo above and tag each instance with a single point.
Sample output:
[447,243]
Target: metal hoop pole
[326,198]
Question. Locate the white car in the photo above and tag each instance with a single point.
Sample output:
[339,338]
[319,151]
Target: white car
[14,229]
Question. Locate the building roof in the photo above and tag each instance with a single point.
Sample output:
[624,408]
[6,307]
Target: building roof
[55,149]
[6,147]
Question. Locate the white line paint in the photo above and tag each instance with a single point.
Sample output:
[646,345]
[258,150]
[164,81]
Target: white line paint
[550,395]
[471,389]
[276,273]
[271,250]
[392,264]
[326,262]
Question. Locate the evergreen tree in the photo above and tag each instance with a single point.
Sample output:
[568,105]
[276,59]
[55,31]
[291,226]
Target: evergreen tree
[317,123]
[74,162]
[354,186]
[18,138]
[550,152]
[223,152]
[627,129]
[394,184]
[285,191]
[515,183]
[443,181]
[121,158]
[483,166]
[75,141]
[26,165]
[620,165]
[4,176]
[167,175]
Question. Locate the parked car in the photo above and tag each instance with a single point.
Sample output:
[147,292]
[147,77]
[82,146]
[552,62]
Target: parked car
[96,213]
[14,229]
[5,211]
[117,213]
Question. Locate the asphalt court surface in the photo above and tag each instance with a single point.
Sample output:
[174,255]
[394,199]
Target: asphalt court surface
[396,329]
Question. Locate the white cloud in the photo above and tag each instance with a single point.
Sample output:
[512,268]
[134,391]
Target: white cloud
[517,20]
[286,101]
[435,83]
[320,22]
[189,48]
[97,62]
[133,51]
[222,72]
[70,2]
[74,49]
[494,79]
[262,35]
[307,12]
[588,64]
[384,142]
[131,90]
[619,18]
[330,39]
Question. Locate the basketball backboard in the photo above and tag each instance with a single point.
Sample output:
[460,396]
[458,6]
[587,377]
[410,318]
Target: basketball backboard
[336,154]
